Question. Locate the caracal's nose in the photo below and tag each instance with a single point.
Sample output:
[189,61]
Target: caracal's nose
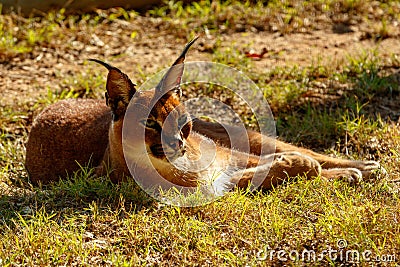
[175,142]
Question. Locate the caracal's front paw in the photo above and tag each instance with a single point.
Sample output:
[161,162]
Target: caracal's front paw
[295,163]
[350,175]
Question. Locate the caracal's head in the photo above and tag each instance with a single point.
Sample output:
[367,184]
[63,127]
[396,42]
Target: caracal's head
[158,113]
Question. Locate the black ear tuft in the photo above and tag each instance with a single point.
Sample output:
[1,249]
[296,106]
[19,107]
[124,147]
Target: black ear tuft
[181,58]
[172,79]
[107,66]
[120,89]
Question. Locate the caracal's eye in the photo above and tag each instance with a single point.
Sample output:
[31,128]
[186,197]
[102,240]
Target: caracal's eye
[182,120]
[151,124]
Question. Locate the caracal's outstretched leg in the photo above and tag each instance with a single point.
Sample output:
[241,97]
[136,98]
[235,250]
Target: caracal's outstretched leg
[292,164]
[331,167]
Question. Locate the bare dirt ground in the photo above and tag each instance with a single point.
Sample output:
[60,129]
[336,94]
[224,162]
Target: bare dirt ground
[304,49]
[25,78]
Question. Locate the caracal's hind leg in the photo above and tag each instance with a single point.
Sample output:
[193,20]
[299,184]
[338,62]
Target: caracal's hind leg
[335,166]
[341,167]
[292,164]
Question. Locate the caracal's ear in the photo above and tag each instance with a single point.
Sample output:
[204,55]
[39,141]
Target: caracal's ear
[172,79]
[120,89]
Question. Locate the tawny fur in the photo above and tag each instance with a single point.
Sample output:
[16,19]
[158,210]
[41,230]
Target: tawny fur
[65,135]
[75,132]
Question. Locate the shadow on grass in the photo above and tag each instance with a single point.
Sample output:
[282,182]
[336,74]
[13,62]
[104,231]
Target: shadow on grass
[73,195]
[325,121]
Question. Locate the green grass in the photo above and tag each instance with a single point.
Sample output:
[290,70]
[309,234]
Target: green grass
[22,35]
[91,228]
[90,221]
[277,16]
